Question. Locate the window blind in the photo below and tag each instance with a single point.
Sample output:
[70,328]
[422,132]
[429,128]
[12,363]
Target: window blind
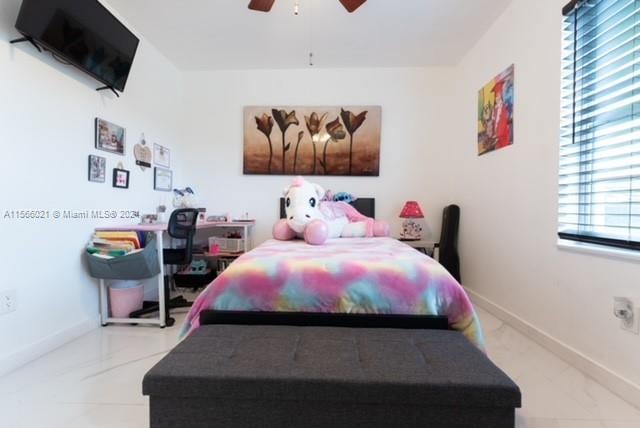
[599,183]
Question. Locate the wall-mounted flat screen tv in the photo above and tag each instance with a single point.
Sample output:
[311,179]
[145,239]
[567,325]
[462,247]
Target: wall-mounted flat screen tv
[84,33]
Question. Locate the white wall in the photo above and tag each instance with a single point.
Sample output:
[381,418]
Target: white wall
[509,199]
[413,139]
[47,113]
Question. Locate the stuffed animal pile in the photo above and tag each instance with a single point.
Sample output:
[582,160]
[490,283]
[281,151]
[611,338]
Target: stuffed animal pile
[316,220]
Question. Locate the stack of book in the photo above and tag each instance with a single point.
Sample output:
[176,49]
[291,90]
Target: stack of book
[110,244]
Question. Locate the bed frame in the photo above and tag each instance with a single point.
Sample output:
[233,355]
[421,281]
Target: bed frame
[366,206]
[324,319]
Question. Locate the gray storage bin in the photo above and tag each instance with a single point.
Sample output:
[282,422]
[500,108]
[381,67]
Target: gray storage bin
[141,265]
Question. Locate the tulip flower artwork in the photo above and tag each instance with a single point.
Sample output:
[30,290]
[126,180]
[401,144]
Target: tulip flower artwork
[352,122]
[295,155]
[265,125]
[335,132]
[330,141]
[314,126]
[284,121]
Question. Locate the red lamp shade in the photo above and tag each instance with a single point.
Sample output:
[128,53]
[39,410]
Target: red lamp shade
[411,210]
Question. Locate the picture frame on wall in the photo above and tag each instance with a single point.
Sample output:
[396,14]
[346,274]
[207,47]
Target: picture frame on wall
[338,140]
[97,169]
[109,137]
[120,178]
[161,156]
[162,179]
[495,113]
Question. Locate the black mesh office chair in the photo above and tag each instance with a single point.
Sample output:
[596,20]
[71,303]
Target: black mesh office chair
[448,246]
[182,225]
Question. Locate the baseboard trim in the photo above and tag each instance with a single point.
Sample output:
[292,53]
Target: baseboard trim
[611,380]
[36,350]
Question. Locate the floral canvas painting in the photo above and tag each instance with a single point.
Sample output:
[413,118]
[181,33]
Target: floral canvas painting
[495,113]
[312,140]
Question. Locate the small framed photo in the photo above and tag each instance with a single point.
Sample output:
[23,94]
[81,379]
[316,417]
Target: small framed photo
[161,156]
[120,178]
[162,179]
[97,169]
[110,137]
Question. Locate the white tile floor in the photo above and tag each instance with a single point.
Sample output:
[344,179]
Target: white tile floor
[96,381]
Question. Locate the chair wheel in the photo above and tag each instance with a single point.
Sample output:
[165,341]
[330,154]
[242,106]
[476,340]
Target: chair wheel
[170,322]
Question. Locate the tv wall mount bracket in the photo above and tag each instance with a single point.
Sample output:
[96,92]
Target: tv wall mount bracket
[35,45]
[26,39]
[108,88]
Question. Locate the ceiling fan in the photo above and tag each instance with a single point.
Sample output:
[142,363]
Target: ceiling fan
[265,5]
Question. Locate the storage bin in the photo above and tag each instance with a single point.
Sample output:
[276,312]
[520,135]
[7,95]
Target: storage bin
[120,284]
[125,299]
[227,245]
[141,265]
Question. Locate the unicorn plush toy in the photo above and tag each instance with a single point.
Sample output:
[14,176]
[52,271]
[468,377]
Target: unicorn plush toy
[315,220]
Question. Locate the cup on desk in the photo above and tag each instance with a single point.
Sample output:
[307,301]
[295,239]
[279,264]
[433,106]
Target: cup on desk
[214,249]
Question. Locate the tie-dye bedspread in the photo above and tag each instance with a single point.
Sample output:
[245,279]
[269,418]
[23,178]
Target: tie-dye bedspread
[346,275]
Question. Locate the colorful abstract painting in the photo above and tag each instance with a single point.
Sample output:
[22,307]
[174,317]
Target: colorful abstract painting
[495,113]
[312,140]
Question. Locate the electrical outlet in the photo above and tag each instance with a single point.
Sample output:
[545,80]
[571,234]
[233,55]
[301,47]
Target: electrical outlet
[7,301]
[634,325]
[629,315]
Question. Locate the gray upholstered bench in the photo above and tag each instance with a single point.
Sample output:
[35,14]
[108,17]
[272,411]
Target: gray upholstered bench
[235,375]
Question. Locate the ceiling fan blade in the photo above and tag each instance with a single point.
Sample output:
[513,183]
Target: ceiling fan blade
[352,5]
[261,5]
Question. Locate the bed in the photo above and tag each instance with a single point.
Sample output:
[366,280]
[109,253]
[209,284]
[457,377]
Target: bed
[372,276]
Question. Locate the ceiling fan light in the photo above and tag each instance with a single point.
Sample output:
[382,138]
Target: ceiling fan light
[352,5]
[261,5]
[266,5]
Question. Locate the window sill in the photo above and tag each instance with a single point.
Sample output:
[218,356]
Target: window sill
[599,250]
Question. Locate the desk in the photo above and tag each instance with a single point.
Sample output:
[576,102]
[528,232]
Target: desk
[158,229]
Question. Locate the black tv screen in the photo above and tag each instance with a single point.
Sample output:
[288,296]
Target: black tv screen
[84,33]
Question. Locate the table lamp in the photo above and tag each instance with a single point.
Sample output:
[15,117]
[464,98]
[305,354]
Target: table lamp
[411,229]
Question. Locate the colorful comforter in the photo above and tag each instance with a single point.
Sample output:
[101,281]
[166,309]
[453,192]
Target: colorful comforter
[346,275]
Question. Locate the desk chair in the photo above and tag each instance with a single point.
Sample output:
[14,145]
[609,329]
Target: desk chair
[448,245]
[182,225]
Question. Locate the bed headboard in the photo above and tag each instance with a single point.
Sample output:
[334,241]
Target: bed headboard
[366,206]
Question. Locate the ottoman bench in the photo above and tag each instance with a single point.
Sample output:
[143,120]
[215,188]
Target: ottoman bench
[292,376]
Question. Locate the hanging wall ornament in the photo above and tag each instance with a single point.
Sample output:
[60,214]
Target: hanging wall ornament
[142,154]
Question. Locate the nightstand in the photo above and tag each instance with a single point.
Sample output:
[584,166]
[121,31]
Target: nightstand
[422,245]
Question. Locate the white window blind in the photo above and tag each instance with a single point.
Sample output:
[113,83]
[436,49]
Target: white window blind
[599,183]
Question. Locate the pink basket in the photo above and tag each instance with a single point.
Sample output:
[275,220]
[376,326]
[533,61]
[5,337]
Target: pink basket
[123,301]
